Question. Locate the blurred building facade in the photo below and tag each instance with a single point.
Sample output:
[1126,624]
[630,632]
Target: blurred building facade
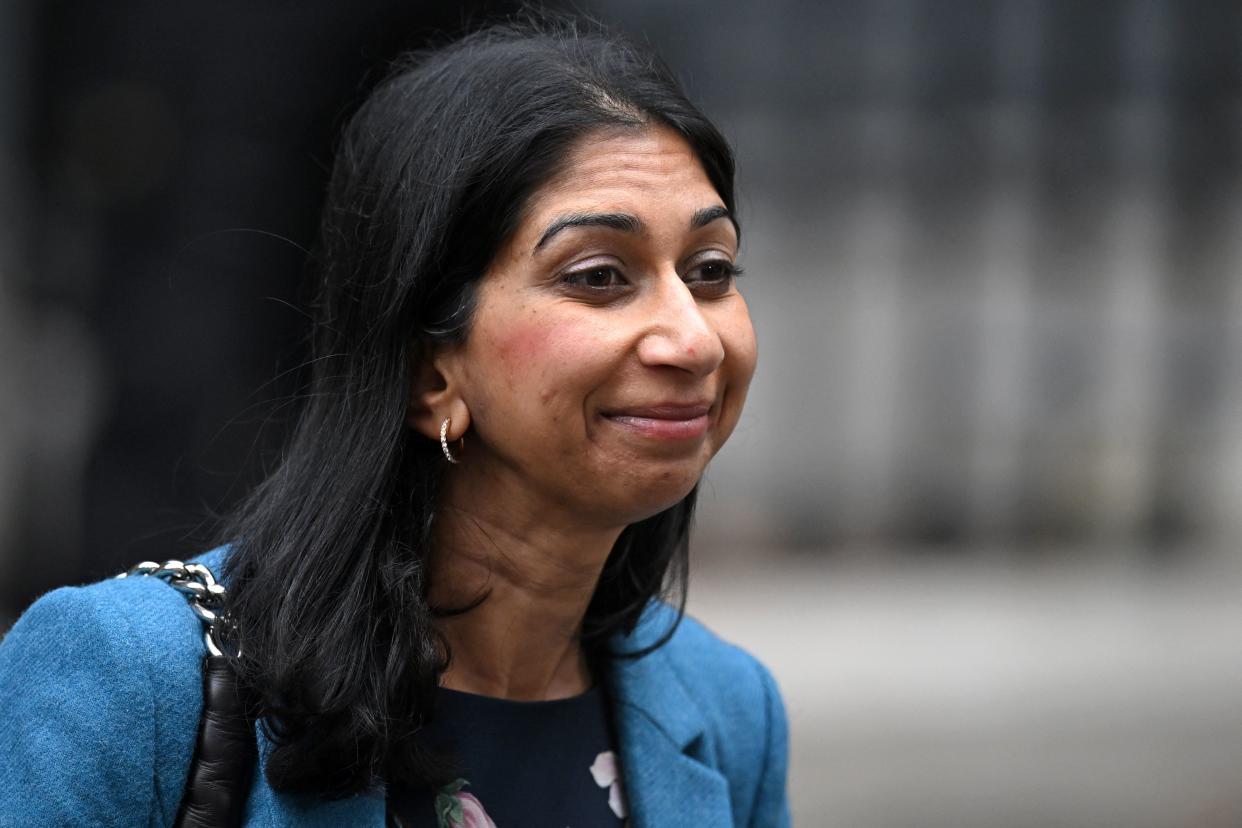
[994,258]
[164,165]
[994,265]
[993,251]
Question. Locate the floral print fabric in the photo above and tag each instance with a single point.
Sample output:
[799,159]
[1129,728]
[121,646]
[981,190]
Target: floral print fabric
[606,774]
[523,764]
[457,809]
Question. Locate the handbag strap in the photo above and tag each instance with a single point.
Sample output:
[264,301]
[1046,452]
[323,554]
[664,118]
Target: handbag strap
[222,769]
[198,584]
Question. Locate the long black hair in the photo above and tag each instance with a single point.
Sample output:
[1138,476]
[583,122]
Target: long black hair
[327,570]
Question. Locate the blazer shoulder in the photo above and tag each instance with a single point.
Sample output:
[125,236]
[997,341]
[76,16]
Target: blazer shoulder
[745,734]
[739,686]
[703,661]
[100,695]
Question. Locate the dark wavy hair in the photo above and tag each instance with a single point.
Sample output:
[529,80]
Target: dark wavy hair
[328,570]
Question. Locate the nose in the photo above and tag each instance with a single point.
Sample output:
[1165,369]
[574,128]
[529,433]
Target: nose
[680,335]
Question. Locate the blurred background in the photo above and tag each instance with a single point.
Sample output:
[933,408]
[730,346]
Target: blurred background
[982,514]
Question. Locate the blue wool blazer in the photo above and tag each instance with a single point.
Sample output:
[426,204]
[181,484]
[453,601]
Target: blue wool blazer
[100,697]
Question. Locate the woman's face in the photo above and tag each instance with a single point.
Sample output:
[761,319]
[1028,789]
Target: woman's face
[610,351]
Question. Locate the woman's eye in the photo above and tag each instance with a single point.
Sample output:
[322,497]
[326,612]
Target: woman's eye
[718,273]
[595,278]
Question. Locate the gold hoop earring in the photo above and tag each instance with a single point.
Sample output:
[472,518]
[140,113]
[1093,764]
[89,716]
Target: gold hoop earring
[448,455]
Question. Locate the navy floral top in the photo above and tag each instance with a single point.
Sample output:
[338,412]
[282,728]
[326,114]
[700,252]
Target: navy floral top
[523,765]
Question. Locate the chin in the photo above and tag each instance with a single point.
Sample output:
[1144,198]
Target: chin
[664,492]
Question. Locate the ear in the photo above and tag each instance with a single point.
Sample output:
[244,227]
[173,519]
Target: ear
[435,392]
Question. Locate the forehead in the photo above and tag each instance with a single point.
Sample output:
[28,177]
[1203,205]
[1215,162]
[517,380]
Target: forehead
[640,171]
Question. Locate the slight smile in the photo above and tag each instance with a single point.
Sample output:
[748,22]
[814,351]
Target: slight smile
[669,421]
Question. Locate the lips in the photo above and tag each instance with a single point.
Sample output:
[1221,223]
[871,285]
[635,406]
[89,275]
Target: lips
[663,421]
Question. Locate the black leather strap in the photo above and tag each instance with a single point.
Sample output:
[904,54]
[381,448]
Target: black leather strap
[223,766]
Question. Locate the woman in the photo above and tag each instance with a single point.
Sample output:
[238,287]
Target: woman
[529,344]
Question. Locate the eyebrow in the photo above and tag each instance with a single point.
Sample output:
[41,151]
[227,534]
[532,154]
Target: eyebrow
[707,215]
[625,222]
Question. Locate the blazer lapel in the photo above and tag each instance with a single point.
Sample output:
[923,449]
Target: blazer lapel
[661,730]
[662,737]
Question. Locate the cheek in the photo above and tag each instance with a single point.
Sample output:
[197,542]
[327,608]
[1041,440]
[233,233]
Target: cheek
[738,337]
[741,349]
[523,344]
[543,359]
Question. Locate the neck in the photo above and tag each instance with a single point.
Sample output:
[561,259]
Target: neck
[536,579]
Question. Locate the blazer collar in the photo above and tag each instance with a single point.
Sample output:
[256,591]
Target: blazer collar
[662,735]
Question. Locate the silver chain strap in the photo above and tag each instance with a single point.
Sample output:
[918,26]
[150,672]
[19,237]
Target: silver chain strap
[204,594]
